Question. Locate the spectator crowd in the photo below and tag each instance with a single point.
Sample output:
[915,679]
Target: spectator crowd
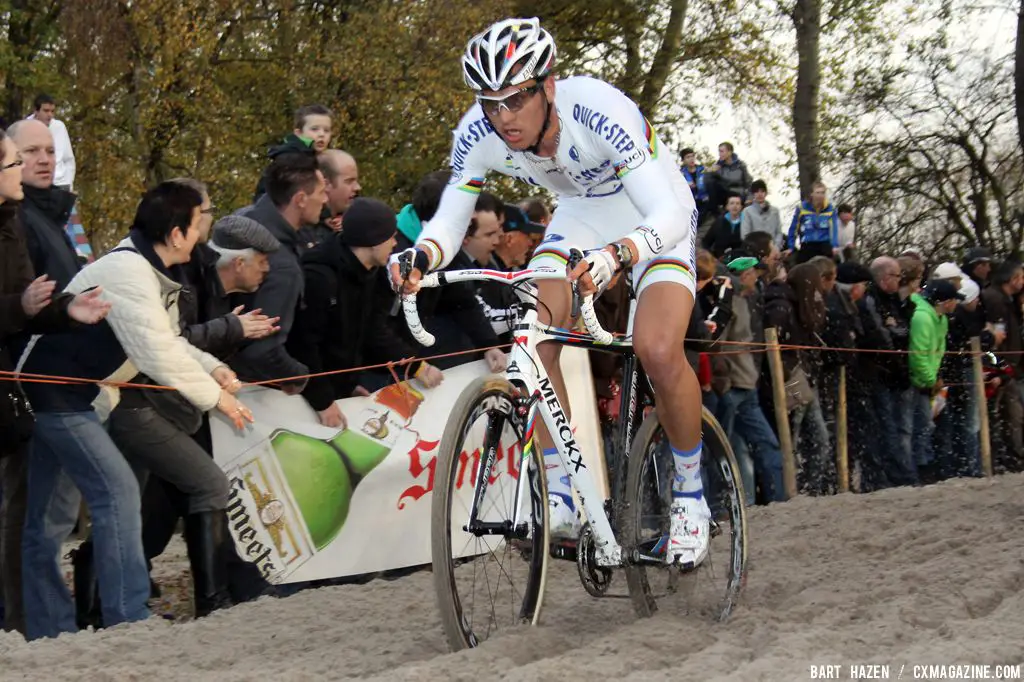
[291,292]
[901,327]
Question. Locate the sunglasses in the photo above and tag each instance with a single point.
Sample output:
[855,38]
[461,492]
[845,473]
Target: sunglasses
[512,102]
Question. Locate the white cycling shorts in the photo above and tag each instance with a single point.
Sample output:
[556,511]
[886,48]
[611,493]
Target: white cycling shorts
[588,223]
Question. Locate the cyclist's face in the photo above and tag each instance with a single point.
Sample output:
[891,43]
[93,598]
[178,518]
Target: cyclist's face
[517,113]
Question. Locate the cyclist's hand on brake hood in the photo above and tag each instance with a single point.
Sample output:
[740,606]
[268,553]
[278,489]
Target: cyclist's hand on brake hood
[409,284]
[595,272]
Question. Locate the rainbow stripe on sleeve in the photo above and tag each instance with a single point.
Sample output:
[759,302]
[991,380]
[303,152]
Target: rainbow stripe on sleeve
[473,186]
[652,138]
[433,250]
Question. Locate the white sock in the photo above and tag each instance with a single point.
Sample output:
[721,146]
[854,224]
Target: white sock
[687,481]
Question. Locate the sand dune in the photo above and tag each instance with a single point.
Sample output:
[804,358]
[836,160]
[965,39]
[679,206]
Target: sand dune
[930,576]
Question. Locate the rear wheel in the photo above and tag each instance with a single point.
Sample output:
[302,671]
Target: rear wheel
[487,582]
[713,587]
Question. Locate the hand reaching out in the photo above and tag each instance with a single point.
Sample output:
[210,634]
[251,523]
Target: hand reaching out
[496,360]
[88,308]
[332,417]
[256,325]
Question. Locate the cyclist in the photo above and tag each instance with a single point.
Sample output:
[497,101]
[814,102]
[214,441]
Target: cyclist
[620,199]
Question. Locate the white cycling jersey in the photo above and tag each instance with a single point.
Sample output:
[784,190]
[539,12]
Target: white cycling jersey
[612,178]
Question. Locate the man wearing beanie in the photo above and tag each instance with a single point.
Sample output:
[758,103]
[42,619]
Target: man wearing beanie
[956,441]
[343,321]
[847,328]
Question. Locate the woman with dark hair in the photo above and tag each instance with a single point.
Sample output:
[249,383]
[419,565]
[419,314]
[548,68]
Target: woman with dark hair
[796,307]
[27,305]
[70,443]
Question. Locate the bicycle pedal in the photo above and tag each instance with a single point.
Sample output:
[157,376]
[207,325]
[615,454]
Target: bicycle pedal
[564,549]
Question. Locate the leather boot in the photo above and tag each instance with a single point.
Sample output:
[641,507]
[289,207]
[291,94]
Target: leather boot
[206,535]
[88,611]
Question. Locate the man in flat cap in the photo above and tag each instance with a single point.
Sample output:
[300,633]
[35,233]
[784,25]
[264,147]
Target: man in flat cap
[234,260]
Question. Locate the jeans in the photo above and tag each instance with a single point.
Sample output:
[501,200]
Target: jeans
[75,445]
[816,465]
[904,402]
[956,442]
[750,434]
[151,444]
[923,425]
[900,467]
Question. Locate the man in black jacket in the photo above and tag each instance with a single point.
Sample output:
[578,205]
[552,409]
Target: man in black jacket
[46,208]
[453,313]
[342,323]
[1003,311]
[295,197]
[886,321]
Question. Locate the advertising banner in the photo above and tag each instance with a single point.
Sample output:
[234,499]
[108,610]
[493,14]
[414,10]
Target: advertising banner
[310,502]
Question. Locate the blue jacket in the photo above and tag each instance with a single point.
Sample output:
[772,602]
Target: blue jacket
[696,182]
[814,227]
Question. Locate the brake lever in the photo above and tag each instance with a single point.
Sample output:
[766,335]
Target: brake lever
[404,270]
[404,266]
[575,257]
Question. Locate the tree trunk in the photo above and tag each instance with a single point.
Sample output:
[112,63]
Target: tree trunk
[1018,75]
[632,35]
[19,35]
[807,20]
[662,64]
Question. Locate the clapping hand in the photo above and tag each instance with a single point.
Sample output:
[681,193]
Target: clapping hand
[256,325]
[87,307]
[37,295]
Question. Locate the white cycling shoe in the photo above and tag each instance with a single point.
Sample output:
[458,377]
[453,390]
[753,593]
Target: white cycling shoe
[563,522]
[689,532]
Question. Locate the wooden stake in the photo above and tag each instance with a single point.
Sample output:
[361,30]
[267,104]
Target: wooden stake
[842,463]
[982,405]
[771,335]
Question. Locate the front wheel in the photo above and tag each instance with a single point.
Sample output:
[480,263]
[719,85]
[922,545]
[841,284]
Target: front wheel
[502,563]
[645,525]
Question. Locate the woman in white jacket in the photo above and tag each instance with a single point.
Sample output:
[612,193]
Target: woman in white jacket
[70,443]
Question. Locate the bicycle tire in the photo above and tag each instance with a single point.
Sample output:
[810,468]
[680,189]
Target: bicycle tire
[458,628]
[718,452]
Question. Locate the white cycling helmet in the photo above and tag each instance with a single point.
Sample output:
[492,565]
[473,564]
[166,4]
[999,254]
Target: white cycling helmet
[492,56]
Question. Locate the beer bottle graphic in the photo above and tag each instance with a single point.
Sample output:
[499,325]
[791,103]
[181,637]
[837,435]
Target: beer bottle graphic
[324,473]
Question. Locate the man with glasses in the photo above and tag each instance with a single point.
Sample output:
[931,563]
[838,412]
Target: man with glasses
[620,199]
[886,321]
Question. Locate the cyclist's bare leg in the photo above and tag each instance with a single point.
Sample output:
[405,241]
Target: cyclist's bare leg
[659,330]
[554,309]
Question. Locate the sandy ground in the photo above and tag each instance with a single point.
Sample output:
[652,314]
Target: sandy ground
[903,577]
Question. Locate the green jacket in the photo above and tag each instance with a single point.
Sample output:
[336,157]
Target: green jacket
[927,343]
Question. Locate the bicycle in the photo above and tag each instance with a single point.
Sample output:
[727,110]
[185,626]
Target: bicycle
[637,509]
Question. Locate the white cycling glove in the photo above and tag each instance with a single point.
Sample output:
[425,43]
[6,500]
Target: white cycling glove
[419,261]
[603,267]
